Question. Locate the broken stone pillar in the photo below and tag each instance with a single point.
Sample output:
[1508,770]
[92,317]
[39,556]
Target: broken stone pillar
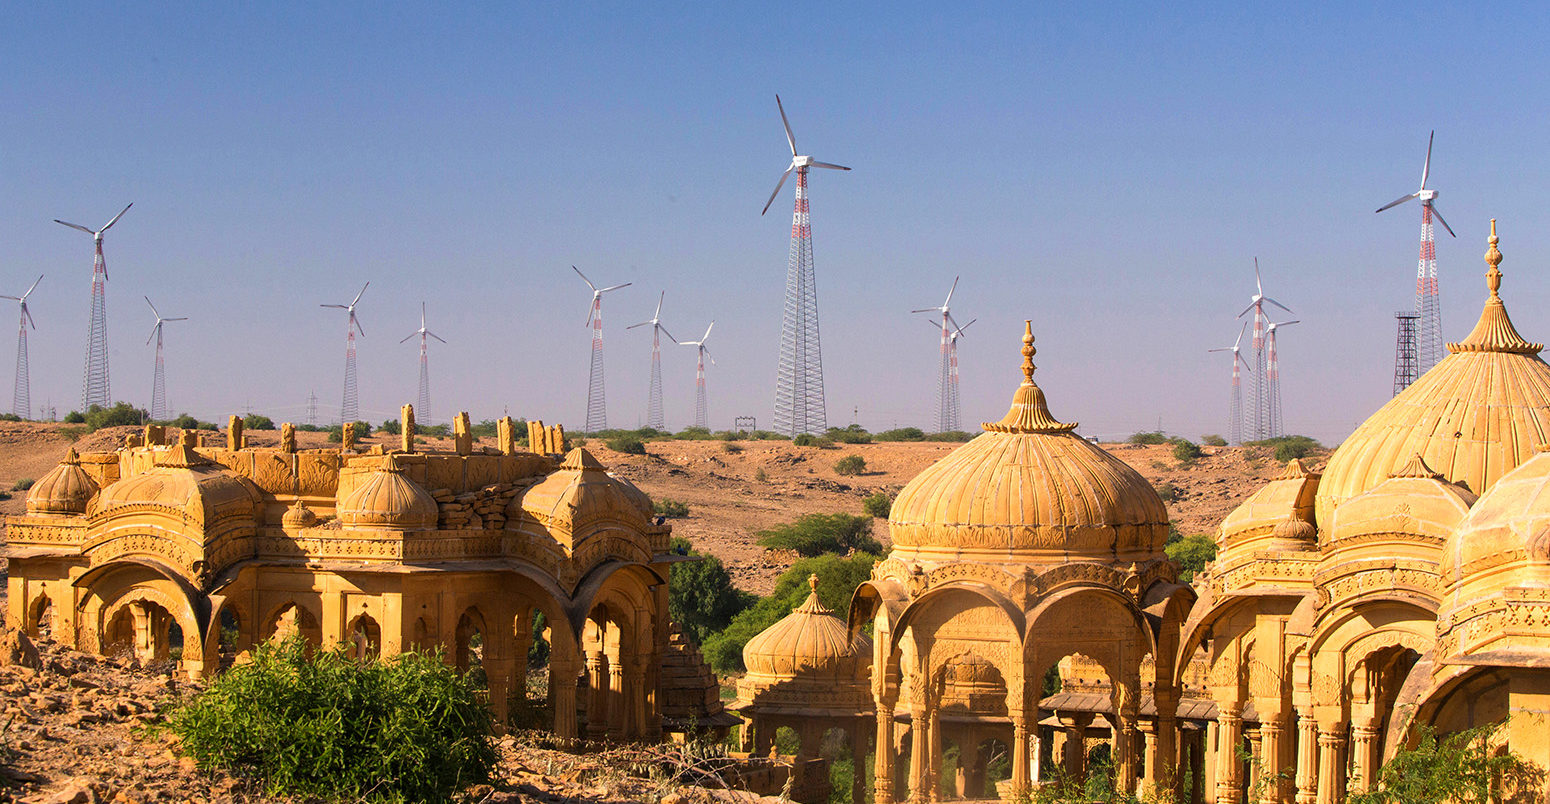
[347,437]
[505,434]
[406,427]
[557,438]
[463,434]
[537,438]
[287,437]
[155,435]
[234,439]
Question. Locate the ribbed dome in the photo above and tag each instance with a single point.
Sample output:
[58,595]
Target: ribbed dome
[580,492]
[1029,489]
[1277,517]
[809,641]
[185,480]
[1473,417]
[298,516]
[1416,504]
[1498,560]
[64,490]
[388,500]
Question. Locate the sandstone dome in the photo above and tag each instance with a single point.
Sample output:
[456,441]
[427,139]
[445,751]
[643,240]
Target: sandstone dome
[810,642]
[64,490]
[580,493]
[1473,417]
[1029,490]
[185,481]
[388,500]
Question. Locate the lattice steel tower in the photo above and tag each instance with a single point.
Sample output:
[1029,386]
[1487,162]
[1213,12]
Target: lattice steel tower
[701,410]
[1275,428]
[655,418]
[799,397]
[1429,346]
[1258,424]
[21,390]
[1406,366]
[423,405]
[159,410]
[94,387]
[349,406]
[1235,420]
[597,399]
[947,415]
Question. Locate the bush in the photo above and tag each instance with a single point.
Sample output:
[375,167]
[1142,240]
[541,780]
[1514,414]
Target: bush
[391,427]
[761,475]
[336,433]
[877,505]
[1168,492]
[1287,447]
[255,421]
[5,495]
[1191,552]
[1213,441]
[75,417]
[810,440]
[816,534]
[731,448]
[98,417]
[1148,438]
[1185,451]
[694,433]
[854,434]
[850,465]
[9,417]
[405,729]
[701,597]
[629,445]
[1458,767]
[951,435]
[837,581]
[902,434]
[23,484]
[671,508]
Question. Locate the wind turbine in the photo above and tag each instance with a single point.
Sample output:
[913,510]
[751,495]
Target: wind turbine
[1426,290]
[952,373]
[350,409]
[701,416]
[21,391]
[1235,424]
[159,381]
[1273,370]
[94,390]
[799,397]
[1261,392]
[947,410]
[597,403]
[655,419]
[423,406]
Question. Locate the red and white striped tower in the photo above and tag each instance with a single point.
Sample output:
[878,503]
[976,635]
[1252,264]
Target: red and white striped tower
[349,406]
[1260,426]
[94,387]
[423,406]
[1235,420]
[1276,428]
[947,419]
[21,390]
[1429,347]
[597,403]
[701,410]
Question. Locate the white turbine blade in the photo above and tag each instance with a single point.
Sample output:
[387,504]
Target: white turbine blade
[790,140]
[658,314]
[357,323]
[1241,330]
[1245,312]
[179,318]
[927,310]
[584,278]
[953,321]
[1397,202]
[12,298]
[668,334]
[410,335]
[28,314]
[706,336]
[422,315]
[1427,168]
[153,307]
[1278,304]
[1258,287]
[616,287]
[75,226]
[1441,221]
[115,218]
[1289,323]
[1221,349]
[154,327]
[359,295]
[434,335]
[708,354]
[29,290]
[950,293]
[336,306]
[966,326]
[641,324]
[592,308]
[827,165]
[778,185]
[1244,361]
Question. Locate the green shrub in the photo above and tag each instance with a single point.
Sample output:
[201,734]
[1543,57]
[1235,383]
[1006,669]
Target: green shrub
[877,505]
[9,417]
[72,433]
[1148,438]
[5,495]
[701,597]
[255,421]
[75,417]
[694,433]
[766,435]
[671,508]
[850,465]
[406,729]
[761,475]
[1459,767]
[902,434]
[629,445]
[1213,441]
[1191,552]
[810,440]
[392,427]
[23,484]
[950,435]
[837,581]
[336,432]
[1168,492]
[854,434]
[122,413]
[816,534]
[1185,451]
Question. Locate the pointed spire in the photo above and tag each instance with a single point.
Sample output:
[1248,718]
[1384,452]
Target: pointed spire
[813,605]
[183,456]
[1416,467]
[72,457]
[1029,413]
[1295,470]
[1494,332]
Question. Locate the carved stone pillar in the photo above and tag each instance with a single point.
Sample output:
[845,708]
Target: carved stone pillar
[1270,768]
[920,742]
[1075,724]
[1364,744]
[1019,755]
[618,705]
[934,776]
[562,681]
[1125,738]
[1149,758]
[635,692]
[1229,733]
[1332,738]
[1197,767]
[597,688]
[882,775]
[1307,757]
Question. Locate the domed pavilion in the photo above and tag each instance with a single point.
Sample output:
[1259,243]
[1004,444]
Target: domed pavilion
[1022,547]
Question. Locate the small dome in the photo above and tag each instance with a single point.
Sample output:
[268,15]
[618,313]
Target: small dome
[388,500]
[580,493]
[182,479]
[1473,417]
[810,642]
[1268,519]
[1029,490]
[1496,570]
[64,490]
[298,516]
[1416,505]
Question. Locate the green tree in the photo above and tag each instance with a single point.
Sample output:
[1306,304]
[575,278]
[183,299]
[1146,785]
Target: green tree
[1287,447]
[837,581]
[902,434]
[391,427]
[816,534]
[254,421]
[1191,552]
[1461,767]
[1213,441]
[877,505]
[122,413]
[629,445]
[1154,437]
[850,465]
[701,597]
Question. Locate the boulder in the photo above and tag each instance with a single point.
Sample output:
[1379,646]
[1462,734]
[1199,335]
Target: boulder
[16,649]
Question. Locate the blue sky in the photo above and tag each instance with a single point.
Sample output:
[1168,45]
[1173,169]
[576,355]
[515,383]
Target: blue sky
[1109,172]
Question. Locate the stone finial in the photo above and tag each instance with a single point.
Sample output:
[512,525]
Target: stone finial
[1493,258]
[505,435]
[406,427]
[812,582]
[1029,412]
[234,436]
[287,437]
[463,434]
[1028,350]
